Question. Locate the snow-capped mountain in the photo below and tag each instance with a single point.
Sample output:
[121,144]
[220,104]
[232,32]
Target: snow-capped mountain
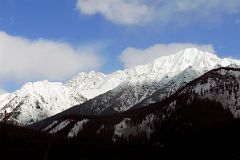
[162,68]
[209,100]
[106,94]
[188,123]
[36,101]
[136,86]
[93,84]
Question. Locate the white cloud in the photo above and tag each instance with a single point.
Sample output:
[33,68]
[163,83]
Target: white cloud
[127,12]
[24,60]
[135,12]
[2,91]
[181,11]
[131,57]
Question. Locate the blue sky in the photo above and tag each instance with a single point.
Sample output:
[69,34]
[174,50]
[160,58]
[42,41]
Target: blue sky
[104,29]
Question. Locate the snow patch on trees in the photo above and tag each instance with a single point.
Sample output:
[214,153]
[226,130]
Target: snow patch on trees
[126,128]
[60,126]
[77,128]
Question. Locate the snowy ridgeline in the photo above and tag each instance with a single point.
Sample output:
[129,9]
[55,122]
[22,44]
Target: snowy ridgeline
[161,69]
[153,82]
[221,85]
[126,88]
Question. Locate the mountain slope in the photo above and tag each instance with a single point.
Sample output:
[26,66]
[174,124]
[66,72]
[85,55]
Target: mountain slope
[85,83]
[150,83]
[194,105]
[93,84]
[116,92]
[186,124]
[36,101]
[129,95]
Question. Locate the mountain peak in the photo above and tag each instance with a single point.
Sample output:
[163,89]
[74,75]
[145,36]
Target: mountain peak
[176,63]
[193,49]
[126,87]
[85,81]
[195,52]
[88,74]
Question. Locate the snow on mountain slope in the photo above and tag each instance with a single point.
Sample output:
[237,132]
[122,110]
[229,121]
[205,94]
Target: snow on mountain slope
[164,76]
[111,93]
[206,100]
[3,99]
[221,86]
[77,128]
[38,100]
[93,84]
[170,87]
[85,83]
[129,94]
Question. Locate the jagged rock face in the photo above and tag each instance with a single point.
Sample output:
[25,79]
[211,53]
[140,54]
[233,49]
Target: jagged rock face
[209,100]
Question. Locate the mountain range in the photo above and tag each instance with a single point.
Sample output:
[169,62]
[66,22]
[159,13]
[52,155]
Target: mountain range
[99,94]
[213,97]
[200,118]
[176,106]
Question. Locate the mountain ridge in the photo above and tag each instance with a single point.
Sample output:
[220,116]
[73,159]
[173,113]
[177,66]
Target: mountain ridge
[151,78]
[168,102]
[127,87]
[145,120]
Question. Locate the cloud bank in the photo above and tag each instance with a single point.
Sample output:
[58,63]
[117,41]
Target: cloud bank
[23,60]
[126,12]
[131,57]
[137,12]
[2,91]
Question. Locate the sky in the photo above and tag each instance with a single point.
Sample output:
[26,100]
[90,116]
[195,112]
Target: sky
[56,39]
